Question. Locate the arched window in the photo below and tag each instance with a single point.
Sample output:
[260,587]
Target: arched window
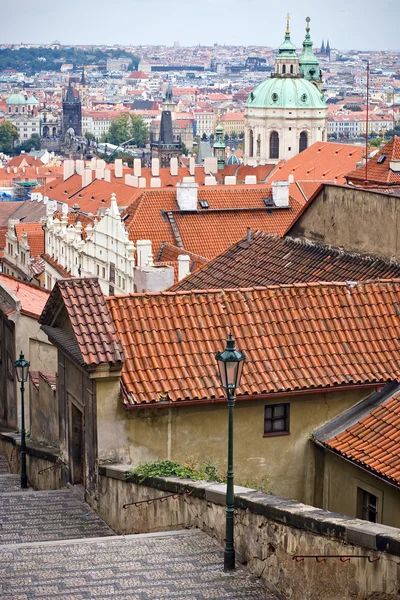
[303,142]
[283,68]
[291,68]
[258,145]
[251,143]
[274,145]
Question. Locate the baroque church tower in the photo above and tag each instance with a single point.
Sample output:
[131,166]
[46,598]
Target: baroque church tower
[287,112]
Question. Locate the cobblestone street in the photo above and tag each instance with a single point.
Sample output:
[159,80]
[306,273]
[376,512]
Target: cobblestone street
[54,547]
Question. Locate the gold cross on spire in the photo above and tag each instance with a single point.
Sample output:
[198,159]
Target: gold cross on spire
[287,24]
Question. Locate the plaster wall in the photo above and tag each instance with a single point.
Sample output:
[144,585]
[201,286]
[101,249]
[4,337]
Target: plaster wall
[354,219]
[268,532]
[334,474]
[44,414]
[283,464]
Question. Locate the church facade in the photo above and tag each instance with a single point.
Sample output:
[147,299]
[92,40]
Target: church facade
[287,112]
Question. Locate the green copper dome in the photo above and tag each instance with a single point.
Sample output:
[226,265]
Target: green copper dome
[16,99]
[286,92]
[32,100]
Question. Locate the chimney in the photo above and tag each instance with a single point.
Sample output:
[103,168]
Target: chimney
[210,165]
[100,163]
[80,166]
[394,165]
[99,173]
[93,163]
[173,166]
[137,167]
[86,177]
[186,195]
[155,167]
[142,182]
[183,266]
[107,175]
[155,182]
[280,193]
[118,170]
[210,180]
[191,165]
[250,180]
[68,169]
[248,237]
[230,180]
[8,169]
[143,252]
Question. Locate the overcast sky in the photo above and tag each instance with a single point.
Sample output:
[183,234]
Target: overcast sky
[360,24]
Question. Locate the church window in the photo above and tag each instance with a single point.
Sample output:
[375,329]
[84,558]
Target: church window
[251,143]
[274,145]
[291,69]
[16,109]
[303,142]
[283,69]
[9,109]
[304,98]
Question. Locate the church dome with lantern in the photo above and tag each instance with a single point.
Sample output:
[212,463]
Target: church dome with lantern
[287,112]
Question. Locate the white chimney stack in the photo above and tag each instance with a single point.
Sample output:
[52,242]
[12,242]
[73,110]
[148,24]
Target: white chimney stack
[210,180]
[230,180]
[280,193]
[394,165]
[155,167]
[118,170]
[68,169]
[173,166]
[107,175]
[191,165]
[183,266]
[143,252]
[186,195]
[250,180]
[100,163]
[99,173]
[137,167]
[80,166]
[86,177]
[155,182]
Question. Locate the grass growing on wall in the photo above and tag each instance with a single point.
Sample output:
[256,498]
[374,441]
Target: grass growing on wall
[207,470]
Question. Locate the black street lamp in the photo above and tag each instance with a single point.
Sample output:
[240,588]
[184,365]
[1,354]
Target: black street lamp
[230,364]
[22,369]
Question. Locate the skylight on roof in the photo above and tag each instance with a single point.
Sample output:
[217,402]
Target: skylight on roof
[381,159]
[268,202]
[204,204]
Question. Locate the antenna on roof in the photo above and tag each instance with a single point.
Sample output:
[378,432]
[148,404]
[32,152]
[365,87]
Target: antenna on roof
[366,133]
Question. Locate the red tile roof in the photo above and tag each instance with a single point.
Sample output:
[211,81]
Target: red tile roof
[295,337]
[322,161]
[374,440]
[32,298]
[208,232]
[35,237]
[56,265]
[94,332]
[268,260]
[379,172]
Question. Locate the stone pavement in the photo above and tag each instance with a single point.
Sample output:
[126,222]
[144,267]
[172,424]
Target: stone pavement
[183,565]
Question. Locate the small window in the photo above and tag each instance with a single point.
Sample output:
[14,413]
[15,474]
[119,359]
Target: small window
[98,270]
[104,273]
[204,204]
[367,506]
[381,159]
[276,419]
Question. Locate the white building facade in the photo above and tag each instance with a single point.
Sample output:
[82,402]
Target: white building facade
[287,112]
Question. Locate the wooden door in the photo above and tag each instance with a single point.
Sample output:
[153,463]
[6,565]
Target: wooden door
[77,445]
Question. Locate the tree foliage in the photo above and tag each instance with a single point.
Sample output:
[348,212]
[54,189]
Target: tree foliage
[8,135]
[33,60]
[32,144]
[127,127]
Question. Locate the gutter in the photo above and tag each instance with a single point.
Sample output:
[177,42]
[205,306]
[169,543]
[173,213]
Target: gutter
[250,397]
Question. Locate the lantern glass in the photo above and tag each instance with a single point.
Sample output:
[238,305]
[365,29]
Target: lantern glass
[230,363]
[22,368]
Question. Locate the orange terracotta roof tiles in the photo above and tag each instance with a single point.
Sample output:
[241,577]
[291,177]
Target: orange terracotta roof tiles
[267,259]
[169,254]
[322,161]
[208,232]
[56,265]
[33,298]
[95,335]
[296,337]
[373,441]
[379,170]
[35,237]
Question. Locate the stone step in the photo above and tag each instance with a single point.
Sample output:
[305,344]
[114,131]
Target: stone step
[33,516]
[10,483]
[3,466]
[183,566]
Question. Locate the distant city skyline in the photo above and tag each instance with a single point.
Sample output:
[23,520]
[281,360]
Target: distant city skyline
[347,25]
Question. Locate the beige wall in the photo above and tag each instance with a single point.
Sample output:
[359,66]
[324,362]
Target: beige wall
[356,220]
[200,433]
[44,414]
[338,481]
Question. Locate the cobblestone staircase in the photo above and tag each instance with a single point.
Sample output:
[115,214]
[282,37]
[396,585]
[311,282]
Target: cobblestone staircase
[53,546]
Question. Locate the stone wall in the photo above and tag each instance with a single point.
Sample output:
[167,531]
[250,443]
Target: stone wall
[269,531]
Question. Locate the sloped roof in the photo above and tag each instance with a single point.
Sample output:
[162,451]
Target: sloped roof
[169,254]
[95,339]
[267,260]
[322,161]
[207,232]
[32,298]
[295,337]
[35,238]
[379,172]
[369,434]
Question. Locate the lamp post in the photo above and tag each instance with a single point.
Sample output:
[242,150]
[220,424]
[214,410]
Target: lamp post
[230,363]
[22,370]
